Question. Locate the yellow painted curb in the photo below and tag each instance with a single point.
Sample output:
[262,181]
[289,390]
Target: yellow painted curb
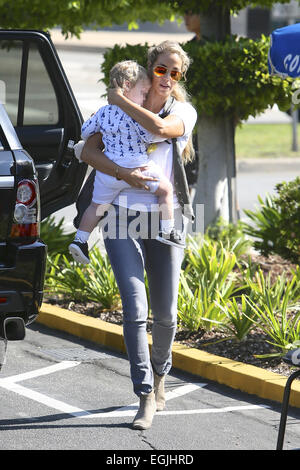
[83,326]
[244,377]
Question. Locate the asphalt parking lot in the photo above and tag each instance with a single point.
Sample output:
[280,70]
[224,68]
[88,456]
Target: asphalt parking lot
[59,392]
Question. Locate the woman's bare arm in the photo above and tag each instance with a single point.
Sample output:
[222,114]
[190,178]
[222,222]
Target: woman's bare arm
[93,155]
[169,127]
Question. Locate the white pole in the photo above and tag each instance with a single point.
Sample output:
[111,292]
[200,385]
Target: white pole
[295,126]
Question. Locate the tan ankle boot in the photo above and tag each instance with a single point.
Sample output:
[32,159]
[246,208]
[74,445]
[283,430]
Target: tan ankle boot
[159,390]
[144,416]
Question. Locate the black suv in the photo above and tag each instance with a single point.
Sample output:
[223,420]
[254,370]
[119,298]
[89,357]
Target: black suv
[39,122]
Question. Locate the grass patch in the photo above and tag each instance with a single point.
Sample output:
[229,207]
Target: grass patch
[265,141]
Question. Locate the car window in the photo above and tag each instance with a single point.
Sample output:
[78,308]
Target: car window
[32,100]
[11,60]
[40,98]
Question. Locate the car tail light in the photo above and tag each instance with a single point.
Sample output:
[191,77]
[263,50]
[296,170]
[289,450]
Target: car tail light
[26,213]
[26,192]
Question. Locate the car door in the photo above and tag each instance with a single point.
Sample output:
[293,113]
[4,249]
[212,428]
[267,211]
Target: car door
[41,105]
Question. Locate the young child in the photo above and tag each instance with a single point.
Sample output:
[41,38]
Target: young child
[126,144]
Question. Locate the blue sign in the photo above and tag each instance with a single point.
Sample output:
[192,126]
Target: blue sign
[284,52]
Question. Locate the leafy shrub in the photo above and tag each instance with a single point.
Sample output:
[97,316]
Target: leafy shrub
[279,321]
[239,317]
[53,234]
[229,76]
[207,280]
[65,277]
[230,235]
[81,283]
[212,259]
[101,286]
[213,293]
[277,221]
[266,292]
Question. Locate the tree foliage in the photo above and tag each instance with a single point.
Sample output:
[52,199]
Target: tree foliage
[209,6]
[225,76]
[72,16]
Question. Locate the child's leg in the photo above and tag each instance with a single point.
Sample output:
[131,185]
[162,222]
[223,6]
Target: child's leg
[163,189]
[164,193]
[91,217]
[79,247]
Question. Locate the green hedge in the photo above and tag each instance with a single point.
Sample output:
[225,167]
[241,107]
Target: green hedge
[229,76]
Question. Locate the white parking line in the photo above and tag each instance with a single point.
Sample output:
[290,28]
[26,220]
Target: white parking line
[10,383]
[45,400]
[39,372]
[227,409]
[130,410]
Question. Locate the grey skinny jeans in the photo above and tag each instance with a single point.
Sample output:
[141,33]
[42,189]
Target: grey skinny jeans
[129,257]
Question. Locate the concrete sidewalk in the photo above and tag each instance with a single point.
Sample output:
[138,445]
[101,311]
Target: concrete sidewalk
[249,165]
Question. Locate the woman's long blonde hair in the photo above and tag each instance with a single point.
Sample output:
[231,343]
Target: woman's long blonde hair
[179,92]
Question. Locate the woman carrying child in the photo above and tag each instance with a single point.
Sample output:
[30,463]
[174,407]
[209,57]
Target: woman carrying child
[129,256]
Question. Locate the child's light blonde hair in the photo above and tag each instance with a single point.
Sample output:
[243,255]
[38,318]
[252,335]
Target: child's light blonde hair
[127,71]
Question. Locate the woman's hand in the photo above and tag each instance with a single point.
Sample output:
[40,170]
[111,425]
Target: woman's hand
[114,94]
[94,156]
[135,177]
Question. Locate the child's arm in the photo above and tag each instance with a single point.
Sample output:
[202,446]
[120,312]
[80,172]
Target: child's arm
[92,125]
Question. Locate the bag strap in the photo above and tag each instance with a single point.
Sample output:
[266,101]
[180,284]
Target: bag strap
[180,180]
[167,108]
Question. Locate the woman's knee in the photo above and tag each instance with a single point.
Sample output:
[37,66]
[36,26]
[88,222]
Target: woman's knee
[165,318]
[135,308]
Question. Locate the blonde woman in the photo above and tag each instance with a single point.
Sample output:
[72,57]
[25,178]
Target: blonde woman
[167,65]
[126,143]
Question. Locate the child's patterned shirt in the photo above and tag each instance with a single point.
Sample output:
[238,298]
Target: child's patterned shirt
[125,140]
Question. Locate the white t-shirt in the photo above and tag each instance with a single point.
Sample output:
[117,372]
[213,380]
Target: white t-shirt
[143,200]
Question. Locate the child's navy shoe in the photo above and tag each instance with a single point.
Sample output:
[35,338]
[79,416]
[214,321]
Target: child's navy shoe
[174,238]
[80,251]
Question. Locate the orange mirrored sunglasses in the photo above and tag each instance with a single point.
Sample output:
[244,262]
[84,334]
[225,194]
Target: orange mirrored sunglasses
[161,70]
